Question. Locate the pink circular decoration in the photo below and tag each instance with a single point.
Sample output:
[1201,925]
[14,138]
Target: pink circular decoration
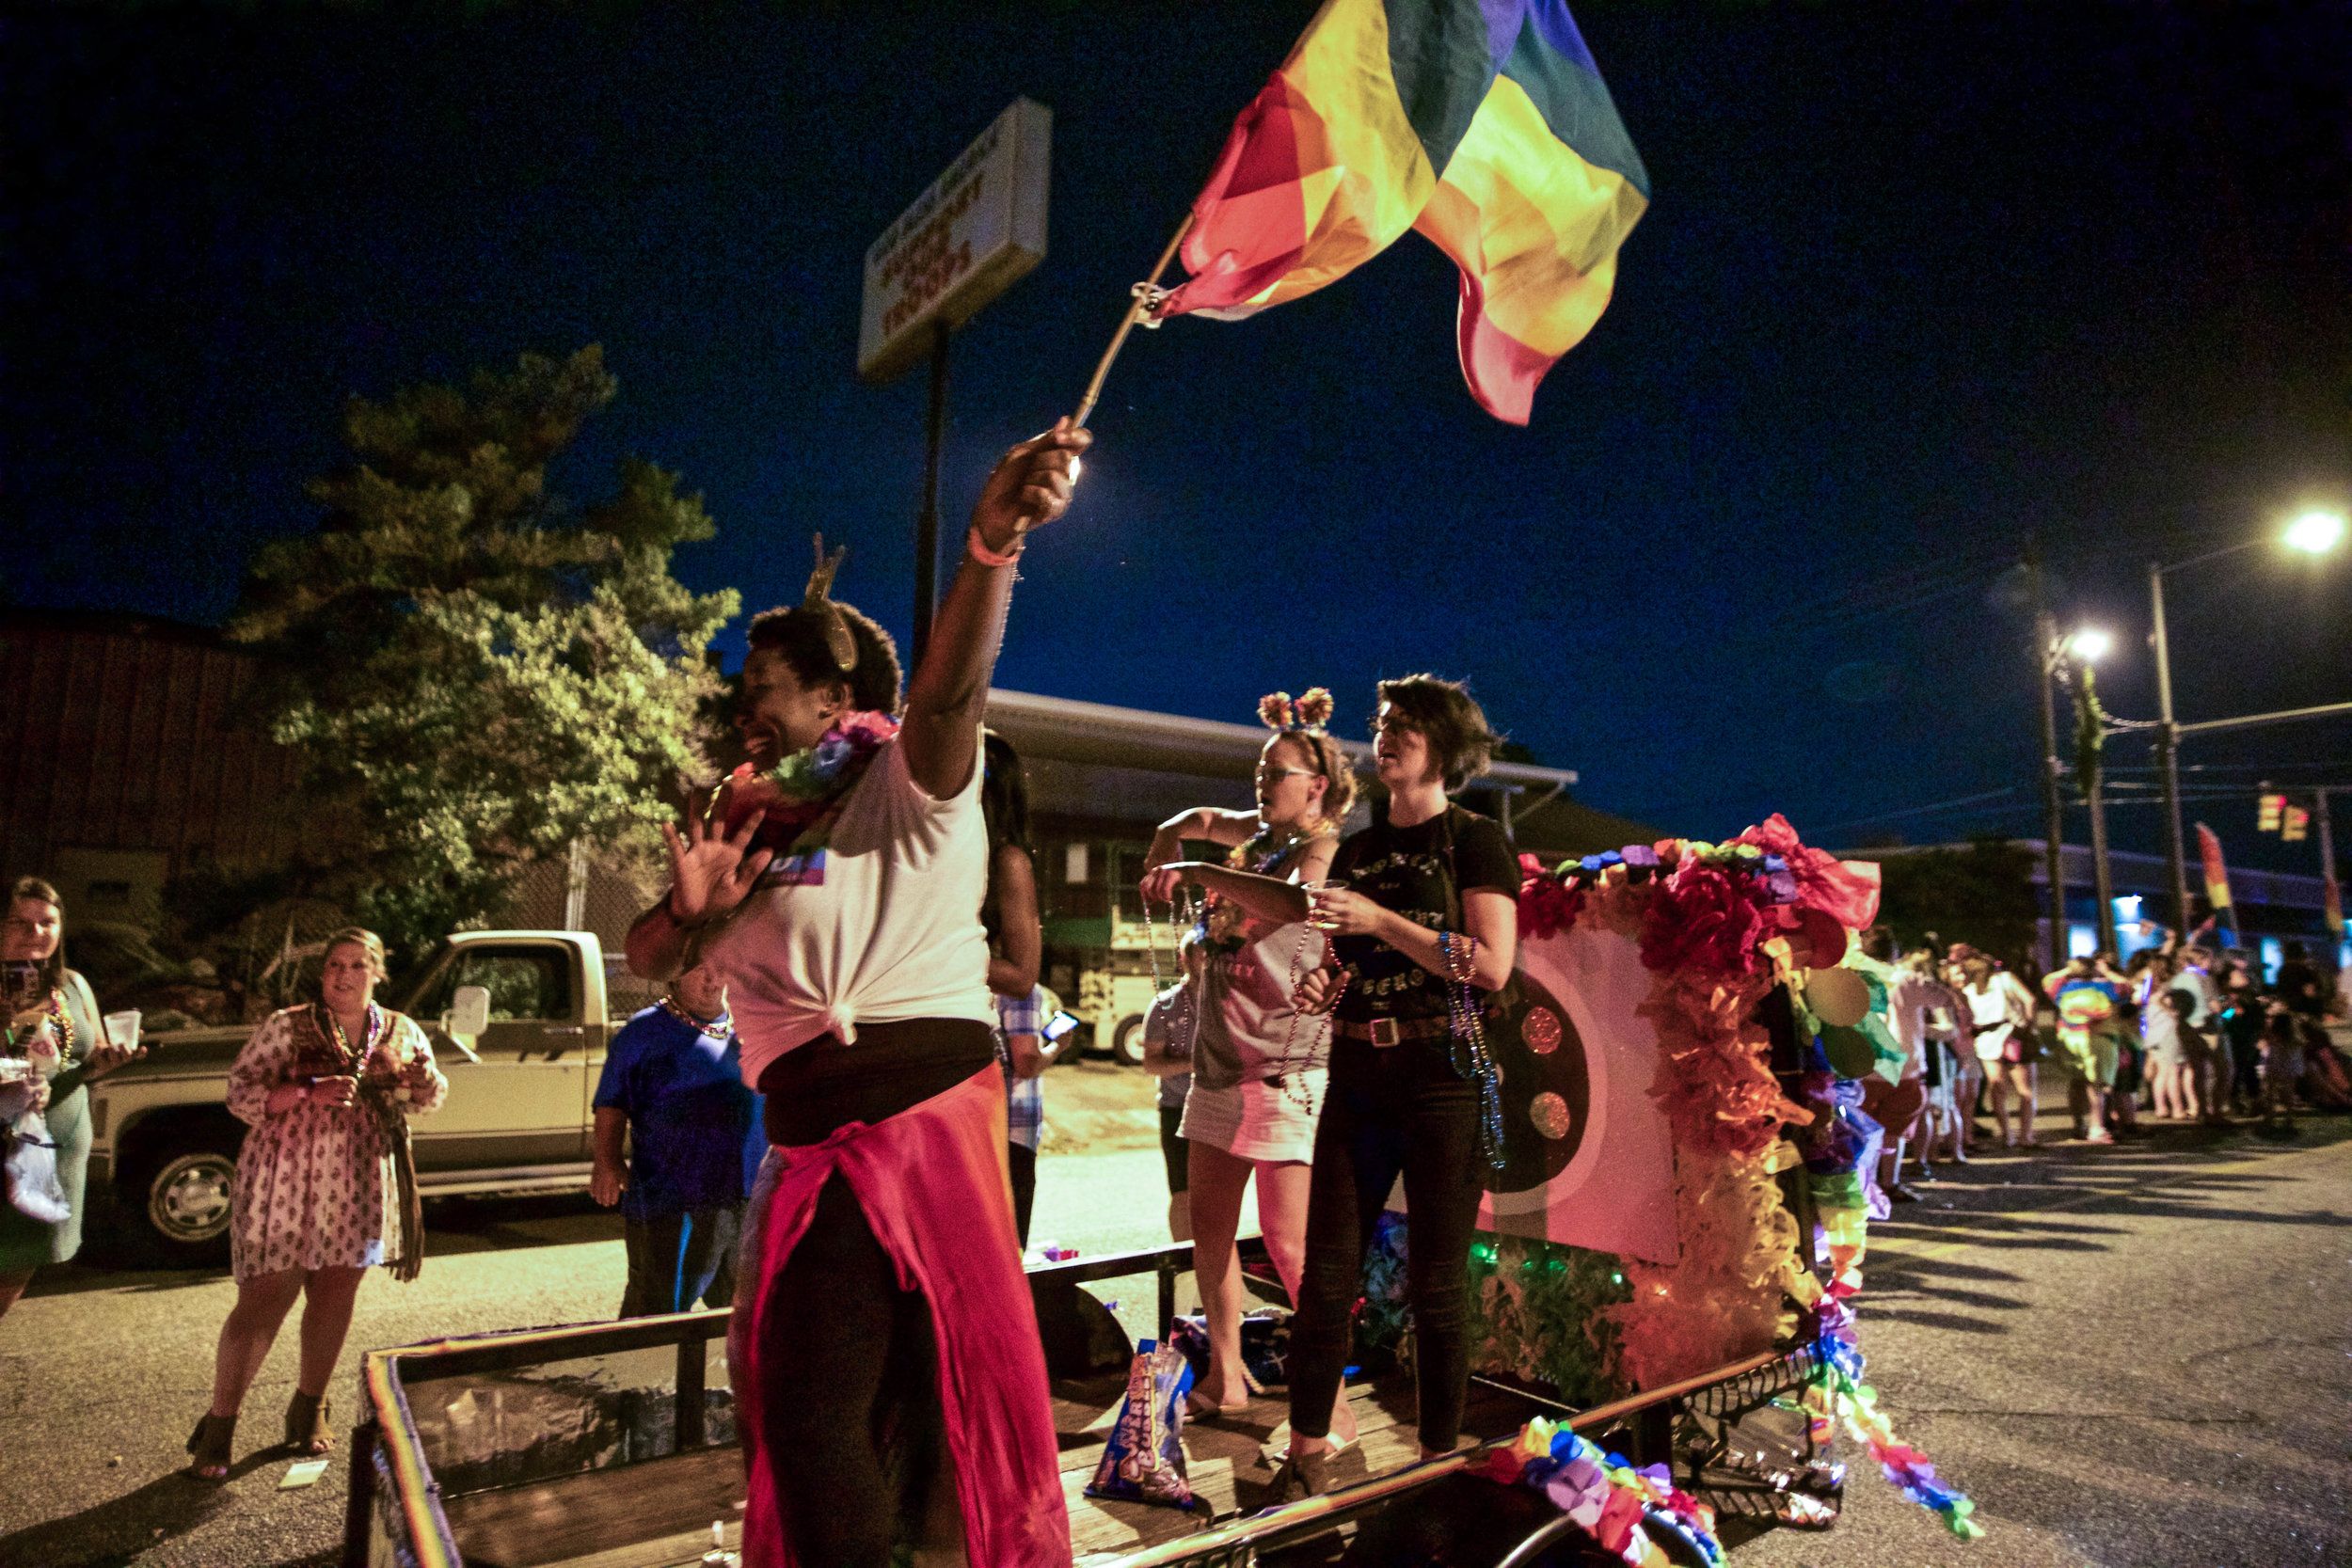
[1550,1112]
[1541,1031]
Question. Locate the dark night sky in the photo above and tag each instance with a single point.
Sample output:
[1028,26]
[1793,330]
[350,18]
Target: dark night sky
[1915,279]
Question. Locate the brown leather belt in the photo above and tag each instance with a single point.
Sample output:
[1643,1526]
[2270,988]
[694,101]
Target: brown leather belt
[1393,1031]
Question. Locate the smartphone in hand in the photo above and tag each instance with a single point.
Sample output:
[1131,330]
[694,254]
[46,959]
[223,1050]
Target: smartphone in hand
[1055,1031]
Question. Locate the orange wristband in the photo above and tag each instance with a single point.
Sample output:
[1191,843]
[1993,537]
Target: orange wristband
[976,547]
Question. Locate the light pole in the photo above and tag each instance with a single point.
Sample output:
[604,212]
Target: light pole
[2054,821]
[2314,534]
[2082,650]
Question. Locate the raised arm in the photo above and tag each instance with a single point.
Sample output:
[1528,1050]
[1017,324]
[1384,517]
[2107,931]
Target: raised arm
[712,871]
[1209,824]
[1029,488]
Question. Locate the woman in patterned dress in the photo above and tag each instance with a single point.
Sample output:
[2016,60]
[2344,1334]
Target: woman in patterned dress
[326,1188]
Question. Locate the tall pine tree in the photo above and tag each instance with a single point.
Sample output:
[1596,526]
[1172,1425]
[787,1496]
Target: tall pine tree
[475,673]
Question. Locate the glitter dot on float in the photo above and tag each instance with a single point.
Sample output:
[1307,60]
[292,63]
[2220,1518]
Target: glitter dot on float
[1541,1031]
[1550,1112]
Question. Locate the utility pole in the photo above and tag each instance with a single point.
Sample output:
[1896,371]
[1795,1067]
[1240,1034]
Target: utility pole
[926,521]
[2168,747]
[2054,850]
[2090,737]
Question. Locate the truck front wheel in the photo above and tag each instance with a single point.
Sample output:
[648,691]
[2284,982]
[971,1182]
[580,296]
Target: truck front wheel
[183,1197]
[1127,1041]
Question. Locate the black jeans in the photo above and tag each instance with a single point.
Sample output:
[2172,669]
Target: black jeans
[848,1367]
[1391,1110]
[1021,1163]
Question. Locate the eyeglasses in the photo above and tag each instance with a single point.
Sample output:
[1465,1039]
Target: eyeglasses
[1269,773]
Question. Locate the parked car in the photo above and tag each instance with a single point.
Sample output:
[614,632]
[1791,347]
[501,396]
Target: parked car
[518,1118]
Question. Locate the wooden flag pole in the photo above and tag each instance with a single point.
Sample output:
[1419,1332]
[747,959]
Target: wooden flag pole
[1146,293]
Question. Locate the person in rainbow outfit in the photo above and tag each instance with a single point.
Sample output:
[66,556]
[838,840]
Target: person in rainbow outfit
[2090,993]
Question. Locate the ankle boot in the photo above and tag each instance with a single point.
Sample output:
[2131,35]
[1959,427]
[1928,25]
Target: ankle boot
[211,1444]
[306,1423]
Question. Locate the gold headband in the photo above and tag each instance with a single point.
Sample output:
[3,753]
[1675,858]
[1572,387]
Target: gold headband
[817,599]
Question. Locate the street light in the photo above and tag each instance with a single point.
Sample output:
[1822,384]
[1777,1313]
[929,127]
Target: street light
[2090,646]
[2314,533]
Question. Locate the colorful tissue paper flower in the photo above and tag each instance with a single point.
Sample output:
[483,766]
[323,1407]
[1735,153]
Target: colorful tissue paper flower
[1847,892]
[1547,906]
[1701,920]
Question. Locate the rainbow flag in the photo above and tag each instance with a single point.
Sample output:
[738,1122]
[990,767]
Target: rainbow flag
[2217,877]
[1483,123]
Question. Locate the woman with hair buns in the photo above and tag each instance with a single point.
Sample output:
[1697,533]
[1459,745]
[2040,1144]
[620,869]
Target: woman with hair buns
[1258,1065]
[325,1189]
[884,1341]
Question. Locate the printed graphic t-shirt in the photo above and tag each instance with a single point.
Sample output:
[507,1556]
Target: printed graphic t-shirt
[880,925]
[1403,870]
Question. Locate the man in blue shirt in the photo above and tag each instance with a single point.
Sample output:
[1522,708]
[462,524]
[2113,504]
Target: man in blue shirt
[673,1085]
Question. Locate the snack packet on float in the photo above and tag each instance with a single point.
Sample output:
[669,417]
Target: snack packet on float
[1144,1458]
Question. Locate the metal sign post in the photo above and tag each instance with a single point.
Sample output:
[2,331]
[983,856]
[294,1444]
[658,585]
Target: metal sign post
[976,230]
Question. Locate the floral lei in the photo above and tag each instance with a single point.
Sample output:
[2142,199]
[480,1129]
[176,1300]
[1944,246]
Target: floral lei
[797,793]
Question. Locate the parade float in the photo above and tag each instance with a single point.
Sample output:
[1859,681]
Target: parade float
[1665,1275]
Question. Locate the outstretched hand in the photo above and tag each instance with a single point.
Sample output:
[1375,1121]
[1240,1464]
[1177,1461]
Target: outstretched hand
[710,870]
[1031,486]
[1161,884]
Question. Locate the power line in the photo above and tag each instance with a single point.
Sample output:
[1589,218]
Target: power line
[1920,811]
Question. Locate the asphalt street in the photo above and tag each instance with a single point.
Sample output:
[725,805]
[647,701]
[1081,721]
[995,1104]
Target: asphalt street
[2133,1358]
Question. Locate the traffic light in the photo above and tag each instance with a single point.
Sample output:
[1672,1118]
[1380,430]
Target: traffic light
[2297,820]
[2272,805]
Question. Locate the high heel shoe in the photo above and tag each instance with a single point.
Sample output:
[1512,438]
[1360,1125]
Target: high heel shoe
[211,1443]
[306,1423]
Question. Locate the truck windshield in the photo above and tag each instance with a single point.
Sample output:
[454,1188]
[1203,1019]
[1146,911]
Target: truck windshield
[524,982]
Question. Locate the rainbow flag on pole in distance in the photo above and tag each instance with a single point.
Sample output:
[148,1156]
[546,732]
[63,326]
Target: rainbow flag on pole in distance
[1483,123]
[2217,877]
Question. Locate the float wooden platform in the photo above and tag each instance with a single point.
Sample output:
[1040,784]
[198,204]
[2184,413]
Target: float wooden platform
[1229,1459]
[645,1515]
[660,1513]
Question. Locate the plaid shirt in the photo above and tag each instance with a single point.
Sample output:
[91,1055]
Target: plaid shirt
[1025,1098]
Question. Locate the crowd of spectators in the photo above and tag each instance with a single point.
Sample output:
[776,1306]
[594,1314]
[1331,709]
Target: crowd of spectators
[2184,1033]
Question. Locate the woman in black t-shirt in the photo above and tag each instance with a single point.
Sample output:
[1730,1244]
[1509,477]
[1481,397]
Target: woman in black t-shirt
[1428,923]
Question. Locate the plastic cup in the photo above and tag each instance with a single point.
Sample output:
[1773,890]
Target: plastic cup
[1312,891]
[123,1029]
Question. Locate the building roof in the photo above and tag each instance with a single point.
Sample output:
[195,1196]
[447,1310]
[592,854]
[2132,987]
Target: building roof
[1113,749]
[2149,875]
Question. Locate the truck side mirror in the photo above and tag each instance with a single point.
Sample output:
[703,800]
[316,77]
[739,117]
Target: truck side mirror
[469,1016]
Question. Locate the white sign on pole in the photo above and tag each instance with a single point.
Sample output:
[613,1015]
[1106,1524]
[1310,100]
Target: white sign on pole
[975,233]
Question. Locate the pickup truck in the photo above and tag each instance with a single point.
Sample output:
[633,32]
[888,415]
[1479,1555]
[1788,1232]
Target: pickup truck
[518,1119]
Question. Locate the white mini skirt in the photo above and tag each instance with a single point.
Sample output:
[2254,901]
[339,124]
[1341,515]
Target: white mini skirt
[1258,1121]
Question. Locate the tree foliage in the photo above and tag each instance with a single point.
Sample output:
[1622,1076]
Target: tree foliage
[1983,895]
[475,673]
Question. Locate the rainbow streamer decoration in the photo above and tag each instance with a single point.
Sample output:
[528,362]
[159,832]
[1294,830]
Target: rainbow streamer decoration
[1611,1500]
[2216,876]
[1838,1199]
[1483,123]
